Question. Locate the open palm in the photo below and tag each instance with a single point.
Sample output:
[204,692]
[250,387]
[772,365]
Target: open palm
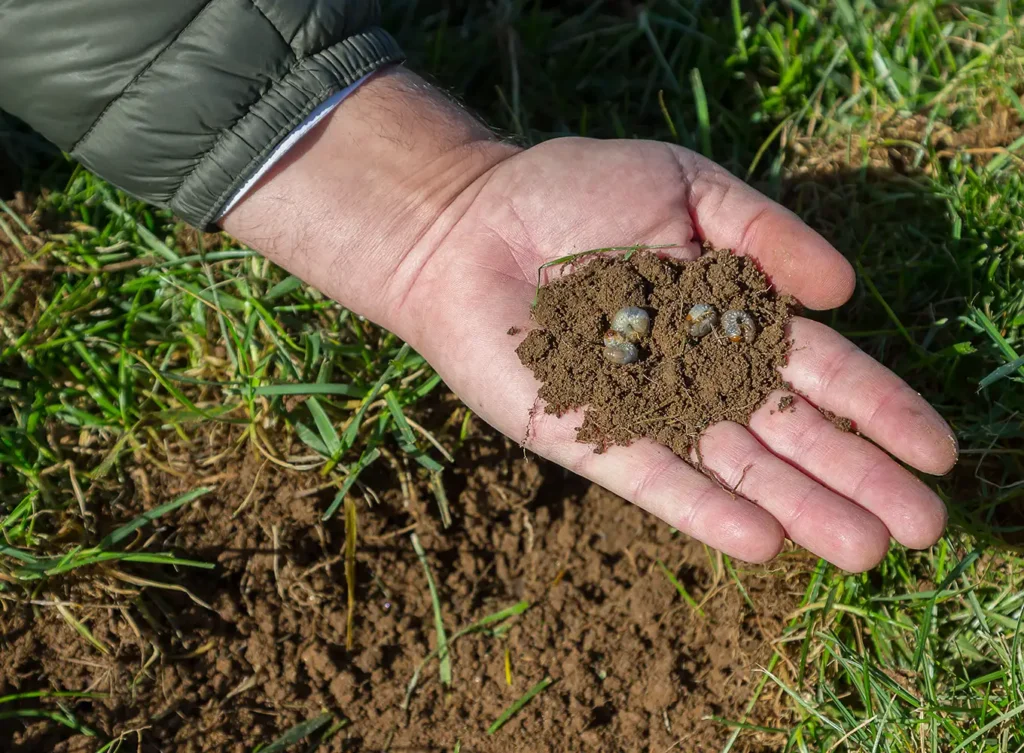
[793,472]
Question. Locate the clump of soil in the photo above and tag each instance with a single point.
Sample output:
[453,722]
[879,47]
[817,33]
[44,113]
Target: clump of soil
[680,384]
[840,422]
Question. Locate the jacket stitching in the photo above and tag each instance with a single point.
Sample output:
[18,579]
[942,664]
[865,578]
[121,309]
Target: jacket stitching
[141,73]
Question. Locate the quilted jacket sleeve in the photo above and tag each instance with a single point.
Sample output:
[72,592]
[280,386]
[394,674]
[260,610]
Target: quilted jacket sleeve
[179,101]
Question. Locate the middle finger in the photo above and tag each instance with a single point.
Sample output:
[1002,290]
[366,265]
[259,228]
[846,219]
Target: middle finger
[814,517]
[852,467]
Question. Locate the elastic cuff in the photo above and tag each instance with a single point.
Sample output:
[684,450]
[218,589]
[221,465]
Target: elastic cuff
[239,151]
[293,138]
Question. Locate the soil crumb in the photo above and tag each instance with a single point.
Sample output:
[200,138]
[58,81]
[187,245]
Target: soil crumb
[680,384]
[840,422]
[786,403]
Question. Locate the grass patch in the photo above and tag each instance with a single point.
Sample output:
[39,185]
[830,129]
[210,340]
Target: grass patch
[64,716]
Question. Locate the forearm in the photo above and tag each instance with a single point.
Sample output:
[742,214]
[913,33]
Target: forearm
[361,203]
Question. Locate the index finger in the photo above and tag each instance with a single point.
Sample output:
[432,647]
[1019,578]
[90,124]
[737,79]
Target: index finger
[730,214]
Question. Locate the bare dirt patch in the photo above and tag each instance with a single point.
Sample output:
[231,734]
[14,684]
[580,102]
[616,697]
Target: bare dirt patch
[634,667]
[909,144]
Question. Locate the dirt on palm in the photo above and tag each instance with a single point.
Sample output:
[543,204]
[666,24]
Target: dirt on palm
[681,384]
[634,667]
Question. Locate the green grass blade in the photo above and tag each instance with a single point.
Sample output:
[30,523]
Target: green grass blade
[154,243]
[365,460]
[16,217]
[18,554]
[397,363]
[442,638]
[50,694]
[737,26]
[275,390]
[993,332]
[328,435]
[120,534]
[311,439]
[351,529]
[395,409]
[82,629]
[998,721]
[514,709]
[703,118]
[681,589]
[513,611]
[437,488]
[53,716]
[283,288]
[739,584]
[1001,373]
[299,732]
[877,295]
[407,440]
[926,620]
[668,117]
[504,614]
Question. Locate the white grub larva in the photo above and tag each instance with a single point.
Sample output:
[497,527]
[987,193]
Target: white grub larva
[701,319]
[619,350]
[631,322]
[739,325]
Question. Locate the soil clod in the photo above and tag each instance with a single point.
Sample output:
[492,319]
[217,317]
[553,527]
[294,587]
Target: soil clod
[840,422]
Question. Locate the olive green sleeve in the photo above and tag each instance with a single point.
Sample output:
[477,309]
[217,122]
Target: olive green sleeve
[178,102]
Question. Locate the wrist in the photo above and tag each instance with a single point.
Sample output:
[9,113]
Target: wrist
[362,201]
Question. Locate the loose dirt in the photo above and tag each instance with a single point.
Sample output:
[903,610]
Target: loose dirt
[634,667]
[890,142]
[840,422]
[681,384]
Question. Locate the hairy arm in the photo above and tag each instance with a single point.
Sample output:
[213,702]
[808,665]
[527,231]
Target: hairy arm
[364,200]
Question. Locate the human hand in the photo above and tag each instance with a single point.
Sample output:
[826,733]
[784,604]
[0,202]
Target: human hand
[465,271]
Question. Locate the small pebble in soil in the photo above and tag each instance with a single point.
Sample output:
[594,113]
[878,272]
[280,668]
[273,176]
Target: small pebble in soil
[632,322]
[701,319]
[619,350]
[739,325]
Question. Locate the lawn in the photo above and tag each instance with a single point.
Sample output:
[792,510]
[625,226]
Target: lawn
[146,369]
